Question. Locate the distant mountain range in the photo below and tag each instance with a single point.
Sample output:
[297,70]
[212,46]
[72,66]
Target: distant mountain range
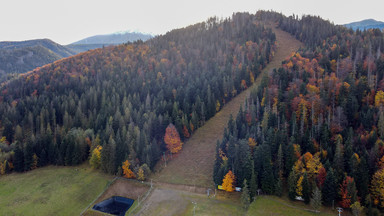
[20,57]
[99,41]
[365,24]
[23,56]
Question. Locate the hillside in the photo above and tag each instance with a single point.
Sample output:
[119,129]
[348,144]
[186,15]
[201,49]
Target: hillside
[315,122]
[119,100]
[366,24]
[100,41]
[20,57]
[194,165]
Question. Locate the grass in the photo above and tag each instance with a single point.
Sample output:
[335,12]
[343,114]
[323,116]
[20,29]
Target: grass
[270,205]
[51,190]
[167,201]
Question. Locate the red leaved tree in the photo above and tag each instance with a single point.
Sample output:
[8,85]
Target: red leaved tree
[172,139]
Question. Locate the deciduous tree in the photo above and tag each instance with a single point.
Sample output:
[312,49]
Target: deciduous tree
[377,188]
[95,157]
[229,182]
[172,139]
[127,171]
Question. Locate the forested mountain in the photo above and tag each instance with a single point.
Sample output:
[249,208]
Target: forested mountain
[100,41]
[129,103]
[115,38]
[317,121]
[366,24]
[20,57]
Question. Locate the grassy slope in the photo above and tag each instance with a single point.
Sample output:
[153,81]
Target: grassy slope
[50,191]
[267,205]
[194,164]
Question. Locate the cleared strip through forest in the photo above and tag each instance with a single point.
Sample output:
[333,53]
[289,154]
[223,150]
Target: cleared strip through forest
[194,164]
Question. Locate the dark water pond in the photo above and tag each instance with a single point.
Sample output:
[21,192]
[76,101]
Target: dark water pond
[115,205]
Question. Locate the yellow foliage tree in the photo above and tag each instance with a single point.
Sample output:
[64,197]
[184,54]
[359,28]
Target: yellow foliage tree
[95,157]
[141,175]
[218,105]
[313,166]
[35,160]
[379,99]
[2,168]
[377,188]
[252,143]
[229,182]
[299,186]
[126,171]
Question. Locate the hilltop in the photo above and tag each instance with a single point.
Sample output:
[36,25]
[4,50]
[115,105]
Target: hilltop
[365,24]
[23,56]
[99,41]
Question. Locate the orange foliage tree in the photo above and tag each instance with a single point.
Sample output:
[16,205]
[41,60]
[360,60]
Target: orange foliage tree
[172,139]
[127,171]
[229,182]
[348,192]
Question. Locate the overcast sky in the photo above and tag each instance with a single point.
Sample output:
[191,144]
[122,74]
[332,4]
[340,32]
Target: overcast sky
[67,21]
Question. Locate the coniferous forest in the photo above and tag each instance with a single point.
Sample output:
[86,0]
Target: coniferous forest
[113,105]
[314,127]
[315,122]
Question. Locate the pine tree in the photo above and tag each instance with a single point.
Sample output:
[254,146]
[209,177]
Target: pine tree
[316,199]
[380,125]
[329,191]
[292,185]
[306,189]
[18,160]
[279,187]
[245,199]
[253,185]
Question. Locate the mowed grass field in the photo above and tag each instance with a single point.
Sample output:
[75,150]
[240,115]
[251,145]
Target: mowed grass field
[51,190]
[271,205]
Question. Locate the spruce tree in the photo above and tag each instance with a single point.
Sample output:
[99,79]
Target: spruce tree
[18,159]
[245,199]
[253,185]
[292,185]
[306,189]
[316,199]
[329,191]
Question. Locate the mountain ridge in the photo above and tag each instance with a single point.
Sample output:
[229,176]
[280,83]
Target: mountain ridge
[22,56]
[114,38]
[365,24]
